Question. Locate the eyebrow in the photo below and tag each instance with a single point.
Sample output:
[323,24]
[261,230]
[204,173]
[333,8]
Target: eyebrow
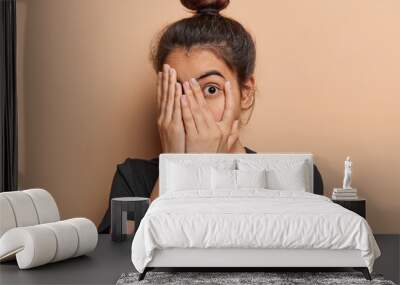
[208,73]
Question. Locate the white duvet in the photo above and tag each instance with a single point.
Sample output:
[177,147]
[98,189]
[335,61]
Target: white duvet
[250,218]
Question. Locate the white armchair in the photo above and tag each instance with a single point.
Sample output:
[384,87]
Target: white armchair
[31,230]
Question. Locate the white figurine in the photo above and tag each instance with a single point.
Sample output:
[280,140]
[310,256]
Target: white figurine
[347,174]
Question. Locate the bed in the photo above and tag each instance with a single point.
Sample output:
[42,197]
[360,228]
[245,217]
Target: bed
[245,211]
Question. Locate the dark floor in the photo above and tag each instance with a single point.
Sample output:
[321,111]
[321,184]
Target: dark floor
[389,262]
[106,264]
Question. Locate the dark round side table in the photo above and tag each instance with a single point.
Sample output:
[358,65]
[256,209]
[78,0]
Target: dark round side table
[120,207]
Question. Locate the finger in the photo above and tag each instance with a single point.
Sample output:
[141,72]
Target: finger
[234,136]
[171,94]
[177,115]
[188,121]
[198,94]
[164,88]
[159,90]
[197,115]
[228,115]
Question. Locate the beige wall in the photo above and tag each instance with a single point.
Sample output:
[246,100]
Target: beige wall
[328,80]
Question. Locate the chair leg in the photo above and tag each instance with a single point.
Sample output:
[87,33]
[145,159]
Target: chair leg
[143,274]
[364,271]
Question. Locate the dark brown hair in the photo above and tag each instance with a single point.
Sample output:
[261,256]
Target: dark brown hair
[208,29]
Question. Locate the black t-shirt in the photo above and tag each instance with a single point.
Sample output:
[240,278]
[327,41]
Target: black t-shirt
[136,178]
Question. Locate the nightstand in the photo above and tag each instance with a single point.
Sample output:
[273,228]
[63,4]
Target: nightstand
[357,206]
[120,207]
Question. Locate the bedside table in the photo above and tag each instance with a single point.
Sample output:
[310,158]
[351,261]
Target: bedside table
[358,206]
[120,207]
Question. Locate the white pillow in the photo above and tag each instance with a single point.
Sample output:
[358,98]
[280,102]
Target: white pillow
[235,179]
[281,174]
[181,177]
[251,178]
[223,179]
[287,179]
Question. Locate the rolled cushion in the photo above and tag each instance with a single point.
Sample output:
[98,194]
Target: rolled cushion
[33,245]
[45,243]
[26,208]
[87,234]
[46,207]
[67,239]
[23,208]
[7,218]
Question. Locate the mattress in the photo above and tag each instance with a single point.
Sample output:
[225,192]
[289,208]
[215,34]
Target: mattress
[252,218]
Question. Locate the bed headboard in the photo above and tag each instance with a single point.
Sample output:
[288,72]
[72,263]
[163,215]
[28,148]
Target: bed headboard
[194,159]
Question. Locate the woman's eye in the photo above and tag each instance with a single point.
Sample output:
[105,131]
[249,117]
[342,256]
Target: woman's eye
[211,90]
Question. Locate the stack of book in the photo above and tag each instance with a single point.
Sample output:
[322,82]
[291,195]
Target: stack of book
[344,194]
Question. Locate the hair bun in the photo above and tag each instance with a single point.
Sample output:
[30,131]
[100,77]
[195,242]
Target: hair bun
[205,6]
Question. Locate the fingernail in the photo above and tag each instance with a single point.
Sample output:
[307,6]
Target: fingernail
[228,83]
[194,81]
[178,87]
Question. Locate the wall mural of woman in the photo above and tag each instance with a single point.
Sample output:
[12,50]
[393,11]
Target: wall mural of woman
[205,94]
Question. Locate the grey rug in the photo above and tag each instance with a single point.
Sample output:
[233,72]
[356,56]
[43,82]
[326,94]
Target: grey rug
[225,278]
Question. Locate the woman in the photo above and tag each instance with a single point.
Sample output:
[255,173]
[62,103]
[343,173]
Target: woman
[205,94]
